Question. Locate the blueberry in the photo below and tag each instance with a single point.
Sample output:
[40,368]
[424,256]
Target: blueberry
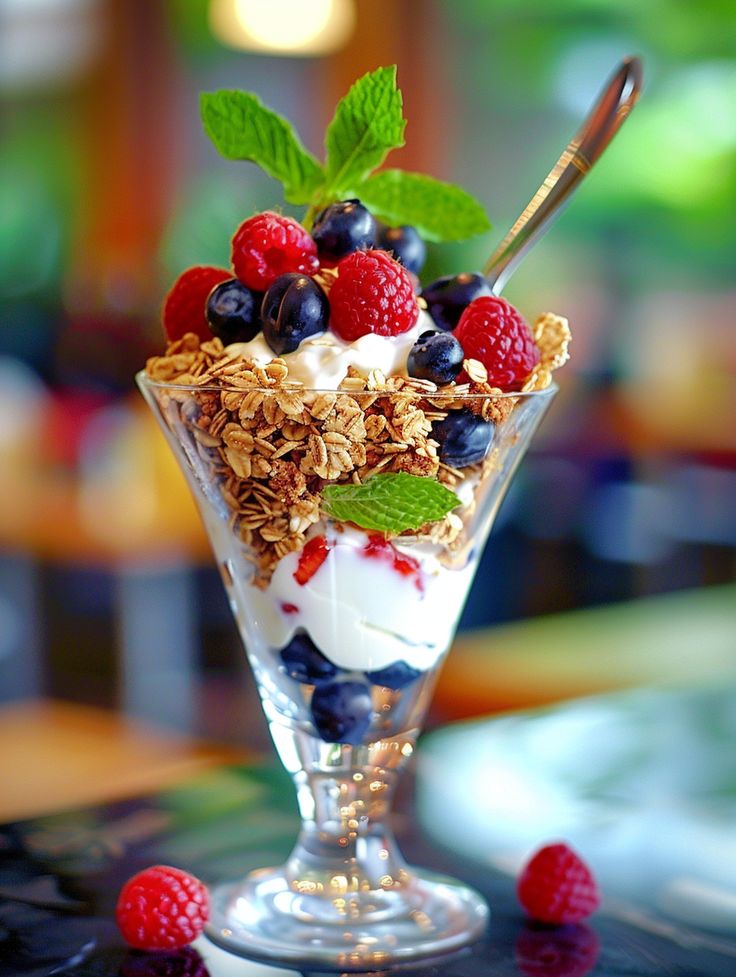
[342,711]
[448,296]
[293,308]
[342,228]
[464,438]
[305,662]
[233,311]
[394,676]
[435,356]
[405,245]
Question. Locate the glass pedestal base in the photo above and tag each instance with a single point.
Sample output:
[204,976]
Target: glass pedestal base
[263,918]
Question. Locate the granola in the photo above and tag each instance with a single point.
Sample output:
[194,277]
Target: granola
[271,444]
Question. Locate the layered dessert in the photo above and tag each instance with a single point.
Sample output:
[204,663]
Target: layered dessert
[352,432]
[348,434]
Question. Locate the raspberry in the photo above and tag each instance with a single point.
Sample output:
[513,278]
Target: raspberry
[311,558]
[269,245]
[162,908]
[556,886]
[492,331]
[561,951]
[372,293]
[184,306]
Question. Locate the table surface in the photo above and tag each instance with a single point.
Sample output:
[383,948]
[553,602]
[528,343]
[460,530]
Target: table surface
[175,800]
[55,755]
[60,874]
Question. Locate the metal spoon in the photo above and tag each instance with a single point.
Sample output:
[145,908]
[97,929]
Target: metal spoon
[602,123]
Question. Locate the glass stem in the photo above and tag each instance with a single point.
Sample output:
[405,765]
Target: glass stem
[345,794]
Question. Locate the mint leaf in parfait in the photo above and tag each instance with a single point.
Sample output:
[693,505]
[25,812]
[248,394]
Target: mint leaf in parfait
[390,503]
[242,127]
[439,211]
[367,124]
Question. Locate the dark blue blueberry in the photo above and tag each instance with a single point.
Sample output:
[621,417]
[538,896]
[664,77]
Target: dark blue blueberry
[448,296]
[394,676]
[305,662]
[342,711]
[435,356]
[464,438]
[294,308]
[405,245]
[233,311]
[342,228]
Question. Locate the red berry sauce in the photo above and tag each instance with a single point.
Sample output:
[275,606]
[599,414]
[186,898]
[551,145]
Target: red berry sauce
[379,548]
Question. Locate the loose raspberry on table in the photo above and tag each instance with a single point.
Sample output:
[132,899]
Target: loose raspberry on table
[269,245]
[162,908]
[184,307]
[494,332]
[556,886]
[372,293]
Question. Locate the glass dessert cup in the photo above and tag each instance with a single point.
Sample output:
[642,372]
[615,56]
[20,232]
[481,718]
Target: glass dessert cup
[346,636]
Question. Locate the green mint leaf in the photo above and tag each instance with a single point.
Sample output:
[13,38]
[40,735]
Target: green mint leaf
[390,503]
[368,122]
[242,127]
[439,211]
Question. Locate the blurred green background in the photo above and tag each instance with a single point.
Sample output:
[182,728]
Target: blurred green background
[109,189]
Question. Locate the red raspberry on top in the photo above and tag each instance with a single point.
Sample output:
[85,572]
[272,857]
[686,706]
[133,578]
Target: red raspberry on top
[372,293]
[184,306]
[162,908]
[494,332]
[269,245]
[556,886]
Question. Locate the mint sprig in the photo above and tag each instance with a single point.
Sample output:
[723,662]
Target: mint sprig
[439,211]
[390,503]
[242,127]
[368,123]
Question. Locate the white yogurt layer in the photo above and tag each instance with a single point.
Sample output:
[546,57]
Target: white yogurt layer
[322,362]
[359,611]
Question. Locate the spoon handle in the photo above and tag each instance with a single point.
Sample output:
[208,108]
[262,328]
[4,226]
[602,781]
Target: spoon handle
[602,123]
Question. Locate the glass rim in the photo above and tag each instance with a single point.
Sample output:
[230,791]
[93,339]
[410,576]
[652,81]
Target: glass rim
[143,378]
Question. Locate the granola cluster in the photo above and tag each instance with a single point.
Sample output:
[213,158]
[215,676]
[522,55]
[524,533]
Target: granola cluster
[552,335]
[271,445]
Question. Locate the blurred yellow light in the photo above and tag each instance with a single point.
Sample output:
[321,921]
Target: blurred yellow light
[283,26]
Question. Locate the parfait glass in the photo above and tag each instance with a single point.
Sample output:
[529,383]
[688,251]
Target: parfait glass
[346,631]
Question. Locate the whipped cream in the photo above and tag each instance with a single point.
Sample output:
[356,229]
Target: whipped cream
[322,362]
